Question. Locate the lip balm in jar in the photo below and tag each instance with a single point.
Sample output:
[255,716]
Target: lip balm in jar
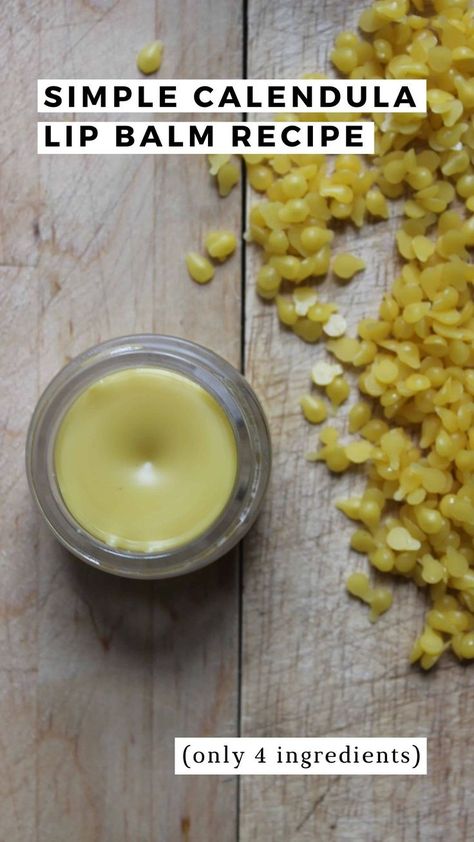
[148,456]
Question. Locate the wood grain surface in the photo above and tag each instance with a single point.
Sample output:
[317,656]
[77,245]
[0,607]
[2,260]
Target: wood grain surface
[98,674]
[312,663]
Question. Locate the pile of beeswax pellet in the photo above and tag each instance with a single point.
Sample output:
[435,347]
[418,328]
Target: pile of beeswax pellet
[302,198]
[219,245]
[415,361]
[418,356]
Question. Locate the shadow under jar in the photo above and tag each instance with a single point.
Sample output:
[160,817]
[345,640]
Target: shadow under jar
[238,449]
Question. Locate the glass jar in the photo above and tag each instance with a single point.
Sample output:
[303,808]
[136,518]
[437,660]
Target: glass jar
[212,373]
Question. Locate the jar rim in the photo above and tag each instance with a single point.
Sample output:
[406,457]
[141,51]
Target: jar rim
[231,390]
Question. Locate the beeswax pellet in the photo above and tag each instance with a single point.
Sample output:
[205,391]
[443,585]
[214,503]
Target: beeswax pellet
[314,409]
[359,414]
[268,281]
[431,642]
[370,513]
[313,238]
[344,349]
[329,435]
[346,265]
[338,390]
[335,325]
[466,646]
[227,177]
[336,459]
[149,58]
[429,520]
[359,451]
[350,507]
[432,571]
[199,267]
[358,585]
[386,371]
[382,558]
[400,539]
[377,203]
[324,373]
[294,186]
[381,600]
[220,244]
[216,162]
[362,541]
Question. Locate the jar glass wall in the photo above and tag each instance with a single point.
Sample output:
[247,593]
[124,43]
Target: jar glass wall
[234,395]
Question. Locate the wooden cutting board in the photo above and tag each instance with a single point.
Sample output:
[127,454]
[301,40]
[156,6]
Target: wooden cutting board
[97,674]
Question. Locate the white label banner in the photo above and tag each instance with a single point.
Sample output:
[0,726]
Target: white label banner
[231,96]
[221,137]
[300,756]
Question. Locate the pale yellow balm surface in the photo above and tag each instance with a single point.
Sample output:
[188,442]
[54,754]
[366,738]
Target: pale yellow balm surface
[145,459]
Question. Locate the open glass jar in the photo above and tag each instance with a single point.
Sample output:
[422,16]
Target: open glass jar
[223,383]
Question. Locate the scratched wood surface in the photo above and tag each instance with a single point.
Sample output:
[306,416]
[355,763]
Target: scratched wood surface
[311,663]
[97,674]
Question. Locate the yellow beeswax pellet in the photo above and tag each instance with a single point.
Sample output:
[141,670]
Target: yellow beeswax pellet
[415,311]
[399,538]
[216,162]
[422,247]
[294,185]
[358,585]
[220,244]
[386,370]
[429,520]
[304,298]
[321,311]
[380,601]
[455,562]
[324,373]
[268,282]
[286,310]
[382,558]
[377,203]
[314,409]
[335,325]
[150,57]
[199,267]
[359,451]
[370,513]
[466,646]
[362,541]
[431,642]
[260,177]
[227,177]
[314,237]
[432,570]
[336,459]
[350,507]
[346,265]
[359,414]
[338,390]
[344,349]
[329,435]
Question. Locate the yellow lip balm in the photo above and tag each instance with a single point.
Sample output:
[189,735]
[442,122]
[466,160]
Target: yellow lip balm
[145,459]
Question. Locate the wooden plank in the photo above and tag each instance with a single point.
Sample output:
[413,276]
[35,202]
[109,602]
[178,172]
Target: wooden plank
[99,674]
[312,665]
[18,571]
[19,183]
